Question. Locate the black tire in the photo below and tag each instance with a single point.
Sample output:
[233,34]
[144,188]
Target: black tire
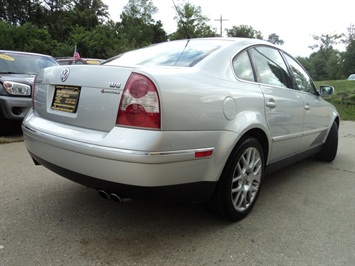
[330,147]
[240,182]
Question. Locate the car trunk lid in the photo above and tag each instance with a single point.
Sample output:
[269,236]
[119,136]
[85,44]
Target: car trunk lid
[82,96]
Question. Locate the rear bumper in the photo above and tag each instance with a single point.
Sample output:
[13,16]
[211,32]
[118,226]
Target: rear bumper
[174,174]
[195,192]
[131,162]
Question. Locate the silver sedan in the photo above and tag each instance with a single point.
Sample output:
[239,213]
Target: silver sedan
[200,119]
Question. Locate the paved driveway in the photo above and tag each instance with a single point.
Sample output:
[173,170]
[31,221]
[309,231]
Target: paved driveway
[305,215]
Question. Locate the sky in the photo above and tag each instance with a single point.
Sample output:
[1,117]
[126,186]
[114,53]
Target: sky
[295,21]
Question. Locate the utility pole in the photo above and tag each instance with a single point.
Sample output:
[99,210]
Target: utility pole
[220,21]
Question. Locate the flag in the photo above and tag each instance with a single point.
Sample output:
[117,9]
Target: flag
[76,55]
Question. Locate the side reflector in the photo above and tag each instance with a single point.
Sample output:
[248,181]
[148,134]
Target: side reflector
[204,153]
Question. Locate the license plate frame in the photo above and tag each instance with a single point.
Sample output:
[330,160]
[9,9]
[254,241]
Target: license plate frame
[66,98]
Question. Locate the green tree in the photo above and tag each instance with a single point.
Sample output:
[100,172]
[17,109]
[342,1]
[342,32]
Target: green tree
[350,35]
[326,60]
[348,62]
[244,31]
[27,38]
[326,42]
[191,23]
[105,41]
[7,34]
[348,57]
[308,65]
[137,25]
[17,12]
[275,39]
[333,66]
[102,42]
[142,9]
[89,13]
[319,66]
[62,15]
[58,16]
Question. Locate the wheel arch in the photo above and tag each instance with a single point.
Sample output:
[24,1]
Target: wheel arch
[220,201]
[260,136]
[337,120]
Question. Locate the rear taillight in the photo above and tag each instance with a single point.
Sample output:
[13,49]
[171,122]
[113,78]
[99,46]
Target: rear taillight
[139,106]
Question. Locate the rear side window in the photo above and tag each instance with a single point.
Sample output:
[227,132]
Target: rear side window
[242,67]
[270,67]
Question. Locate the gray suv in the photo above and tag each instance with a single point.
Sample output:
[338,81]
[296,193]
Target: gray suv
[17,73]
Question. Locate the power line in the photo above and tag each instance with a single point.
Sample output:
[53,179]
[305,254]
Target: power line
[221,21]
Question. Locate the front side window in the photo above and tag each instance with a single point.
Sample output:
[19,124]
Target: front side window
[302,79]
[242,67]
[270,67]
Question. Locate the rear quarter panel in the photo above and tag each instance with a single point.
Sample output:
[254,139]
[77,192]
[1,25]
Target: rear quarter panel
[194,100]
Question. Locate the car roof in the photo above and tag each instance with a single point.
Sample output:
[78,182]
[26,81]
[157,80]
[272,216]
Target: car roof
[240,40]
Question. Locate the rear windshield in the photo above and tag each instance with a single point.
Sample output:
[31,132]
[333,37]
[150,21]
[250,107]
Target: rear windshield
[13,63]
[185,53]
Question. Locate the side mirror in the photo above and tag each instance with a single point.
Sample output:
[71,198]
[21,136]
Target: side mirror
[326,90]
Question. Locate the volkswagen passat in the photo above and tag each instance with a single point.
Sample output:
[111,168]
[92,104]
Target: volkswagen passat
[200,119]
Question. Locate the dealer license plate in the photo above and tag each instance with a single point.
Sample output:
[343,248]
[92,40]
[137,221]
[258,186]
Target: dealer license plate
[66,98]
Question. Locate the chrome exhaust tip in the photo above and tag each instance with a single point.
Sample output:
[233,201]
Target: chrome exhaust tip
[104,194]
[115,197]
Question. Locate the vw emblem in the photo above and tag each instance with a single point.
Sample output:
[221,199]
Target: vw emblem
[64,75]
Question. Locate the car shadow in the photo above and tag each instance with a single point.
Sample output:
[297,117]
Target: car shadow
[10,128]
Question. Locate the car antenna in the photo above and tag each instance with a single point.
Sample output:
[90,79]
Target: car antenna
[182,21]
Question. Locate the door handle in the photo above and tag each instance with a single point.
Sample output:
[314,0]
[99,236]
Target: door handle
[307,107]
[271,103]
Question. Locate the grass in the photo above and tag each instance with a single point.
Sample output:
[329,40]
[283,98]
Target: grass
[343,98]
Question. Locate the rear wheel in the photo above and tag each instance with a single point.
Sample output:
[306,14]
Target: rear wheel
[239,185]
[330,147]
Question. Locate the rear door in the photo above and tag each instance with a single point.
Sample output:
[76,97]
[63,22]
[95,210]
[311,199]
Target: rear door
[283,104]
[316,111]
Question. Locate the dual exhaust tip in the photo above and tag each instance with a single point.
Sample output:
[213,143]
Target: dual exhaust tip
[107,195]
